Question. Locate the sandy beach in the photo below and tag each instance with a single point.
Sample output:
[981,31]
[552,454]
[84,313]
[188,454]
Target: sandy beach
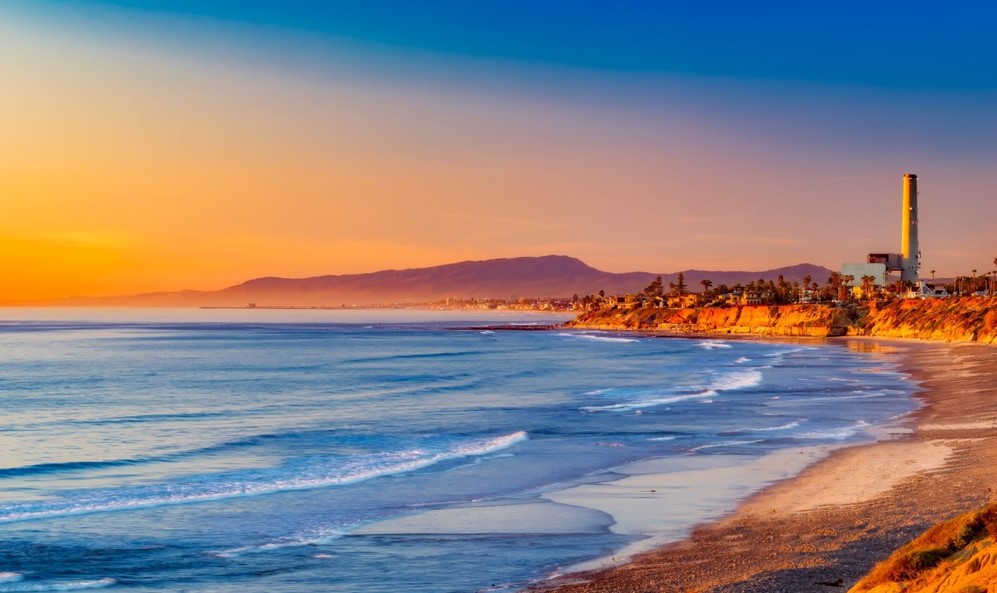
[826,527]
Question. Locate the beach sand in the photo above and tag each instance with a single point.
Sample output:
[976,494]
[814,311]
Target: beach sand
[833,522]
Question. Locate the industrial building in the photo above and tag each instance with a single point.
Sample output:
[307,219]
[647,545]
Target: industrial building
[908,261]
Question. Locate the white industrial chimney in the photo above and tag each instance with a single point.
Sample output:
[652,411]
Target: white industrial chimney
[908,232]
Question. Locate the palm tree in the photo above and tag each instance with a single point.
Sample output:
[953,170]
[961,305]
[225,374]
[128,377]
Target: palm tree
[706,285]
[868,287]
[994,289]
[834,284]
[932,275]
[845,292]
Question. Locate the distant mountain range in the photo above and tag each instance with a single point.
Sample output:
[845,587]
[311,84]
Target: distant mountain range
[511,278]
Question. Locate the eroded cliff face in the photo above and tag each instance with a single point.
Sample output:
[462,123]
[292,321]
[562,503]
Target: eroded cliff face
[783,320]
[955,320]
[964,319]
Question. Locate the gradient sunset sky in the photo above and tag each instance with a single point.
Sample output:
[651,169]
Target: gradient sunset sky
[159,145]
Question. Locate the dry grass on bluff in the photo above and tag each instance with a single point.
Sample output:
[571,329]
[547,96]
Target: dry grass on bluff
[956,556]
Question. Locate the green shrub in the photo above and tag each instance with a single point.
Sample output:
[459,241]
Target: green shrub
[932,547]
[966,534]
[989,518]
[914,563]
[962,537]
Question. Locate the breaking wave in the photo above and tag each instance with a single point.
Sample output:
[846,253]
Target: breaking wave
[309,474]
[723,383]
[21,585]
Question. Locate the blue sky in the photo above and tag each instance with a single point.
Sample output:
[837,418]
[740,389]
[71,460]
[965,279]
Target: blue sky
[917,45]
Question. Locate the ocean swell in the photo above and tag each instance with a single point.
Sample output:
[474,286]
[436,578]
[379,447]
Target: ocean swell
[309,474]
[645,399]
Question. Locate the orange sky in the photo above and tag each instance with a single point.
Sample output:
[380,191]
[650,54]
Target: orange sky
[131,166]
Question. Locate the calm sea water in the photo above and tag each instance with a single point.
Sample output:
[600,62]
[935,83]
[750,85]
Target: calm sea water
[265,451]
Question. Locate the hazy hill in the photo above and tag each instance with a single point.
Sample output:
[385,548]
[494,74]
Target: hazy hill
[547,276]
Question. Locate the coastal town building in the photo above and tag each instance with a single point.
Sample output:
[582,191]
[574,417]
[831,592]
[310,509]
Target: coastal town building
[685,301]
[926,291]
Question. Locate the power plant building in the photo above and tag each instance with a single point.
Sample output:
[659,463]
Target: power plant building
[908,261]
[878,271]
[909,249]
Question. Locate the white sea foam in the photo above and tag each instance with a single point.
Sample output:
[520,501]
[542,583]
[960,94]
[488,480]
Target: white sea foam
[724,444]
[57,586]
[738,380]
[662,439]
[780,427]
[726,382]
[838,434]
[856,395]
[318,475]
[649,402]
[316,538]
[596,392]
[10,577]
[713,344]
[603,338]
[742,360]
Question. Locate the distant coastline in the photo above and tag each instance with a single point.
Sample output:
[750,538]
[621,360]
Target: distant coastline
[550,282]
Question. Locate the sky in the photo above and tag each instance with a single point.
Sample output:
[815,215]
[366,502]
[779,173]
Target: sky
[151,145]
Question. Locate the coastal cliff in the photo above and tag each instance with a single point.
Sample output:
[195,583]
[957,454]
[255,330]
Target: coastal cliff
[956,556]
[963,320]
[761,320]
[950,320]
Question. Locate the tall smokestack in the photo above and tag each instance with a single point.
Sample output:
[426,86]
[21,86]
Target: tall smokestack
[908,231]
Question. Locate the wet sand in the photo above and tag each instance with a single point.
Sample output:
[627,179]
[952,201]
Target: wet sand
[824,529]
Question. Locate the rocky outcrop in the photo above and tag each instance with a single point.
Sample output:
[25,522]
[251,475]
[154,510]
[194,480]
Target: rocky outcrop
[963,320]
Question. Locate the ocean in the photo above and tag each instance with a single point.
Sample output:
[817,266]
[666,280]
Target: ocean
[381,451]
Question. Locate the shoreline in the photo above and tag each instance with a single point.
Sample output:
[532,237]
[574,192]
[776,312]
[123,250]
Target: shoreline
[845,512]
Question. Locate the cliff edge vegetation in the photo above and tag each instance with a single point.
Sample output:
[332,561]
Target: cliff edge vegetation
[969,319]
[956,556]
[955,319]
[775,320]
